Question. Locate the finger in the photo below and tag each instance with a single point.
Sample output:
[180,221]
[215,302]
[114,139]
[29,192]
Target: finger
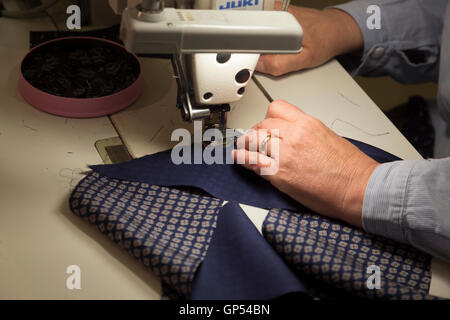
[261,141]
[279,64]
[253,161]
[283,110]
[252,139]
[274,127]
[260,67]
[278,5]
[271,147]
[270,64]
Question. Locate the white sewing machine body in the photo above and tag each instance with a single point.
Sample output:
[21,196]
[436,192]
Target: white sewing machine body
[210,31]
[214,52]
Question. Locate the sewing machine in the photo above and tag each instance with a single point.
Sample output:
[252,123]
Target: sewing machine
[213,52]
[43,157]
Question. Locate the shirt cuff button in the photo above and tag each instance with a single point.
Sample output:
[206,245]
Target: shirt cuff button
[377,53]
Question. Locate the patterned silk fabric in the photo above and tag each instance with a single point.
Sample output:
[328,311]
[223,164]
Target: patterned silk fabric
[137,205]
[338,255]
[167,229]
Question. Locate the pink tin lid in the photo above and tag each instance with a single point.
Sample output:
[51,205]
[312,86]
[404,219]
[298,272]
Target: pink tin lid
[80,107]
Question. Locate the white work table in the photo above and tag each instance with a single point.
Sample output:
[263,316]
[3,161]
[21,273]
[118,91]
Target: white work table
[42,157]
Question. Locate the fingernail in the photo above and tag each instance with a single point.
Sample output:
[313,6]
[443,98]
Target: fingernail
[260,66]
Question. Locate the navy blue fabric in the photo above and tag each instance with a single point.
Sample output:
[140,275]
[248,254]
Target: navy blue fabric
[167,229]
[235,262]
[240,264]
[230,182]
[374,152]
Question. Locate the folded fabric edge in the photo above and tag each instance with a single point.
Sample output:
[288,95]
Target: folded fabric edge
[241,265]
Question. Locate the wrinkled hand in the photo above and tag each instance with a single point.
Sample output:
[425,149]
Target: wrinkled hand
[326,34]
[316,167]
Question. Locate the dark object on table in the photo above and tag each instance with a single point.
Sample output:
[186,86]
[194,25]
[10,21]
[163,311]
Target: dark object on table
[80,68]
[80,77]
[413,120]
[110,33]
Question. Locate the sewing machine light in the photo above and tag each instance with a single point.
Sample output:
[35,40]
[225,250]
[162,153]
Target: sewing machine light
[203,31]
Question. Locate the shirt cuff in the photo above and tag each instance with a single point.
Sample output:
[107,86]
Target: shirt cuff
[376,53]
[358,10]
[384,200]
[407,51]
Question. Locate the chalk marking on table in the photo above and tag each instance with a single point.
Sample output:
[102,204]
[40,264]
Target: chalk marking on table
[71,176]
[28,127]
[362,130]
[348,99]
[156,133]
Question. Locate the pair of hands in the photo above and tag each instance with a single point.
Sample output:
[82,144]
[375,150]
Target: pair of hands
[316,167]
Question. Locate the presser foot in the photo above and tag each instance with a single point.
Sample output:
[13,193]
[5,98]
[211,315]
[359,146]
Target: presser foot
[217,120]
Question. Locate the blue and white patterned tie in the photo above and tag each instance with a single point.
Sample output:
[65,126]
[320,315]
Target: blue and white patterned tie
[170,230]
[337,254]
[167,229]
